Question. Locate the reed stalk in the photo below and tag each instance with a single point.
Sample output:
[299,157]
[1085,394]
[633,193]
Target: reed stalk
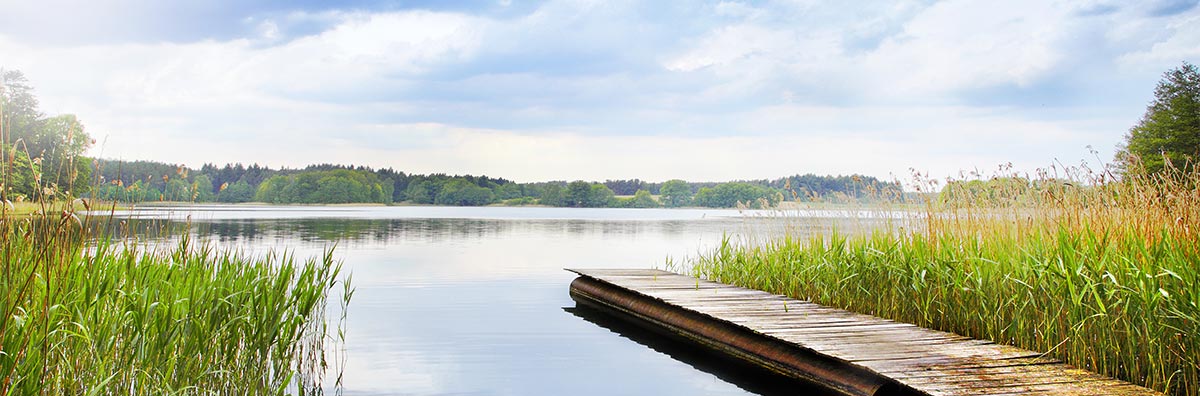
[1101,273]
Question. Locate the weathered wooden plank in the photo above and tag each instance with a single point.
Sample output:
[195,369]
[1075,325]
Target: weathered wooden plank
[1089,386]
[897,369]
[1050,366]
[922,360]
[1042,375]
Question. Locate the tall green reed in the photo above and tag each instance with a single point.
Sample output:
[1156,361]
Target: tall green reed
[115,318]
[87,308]
[1101,273]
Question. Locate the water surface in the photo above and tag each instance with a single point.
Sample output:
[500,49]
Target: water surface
[464,301]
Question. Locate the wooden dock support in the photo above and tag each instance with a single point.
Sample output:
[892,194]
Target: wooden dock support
[850,353]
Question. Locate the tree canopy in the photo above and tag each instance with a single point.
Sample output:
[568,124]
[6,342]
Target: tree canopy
[460,192]
[137,181]
[324,187]
[728,195]
[54,144]
[1169,131]
[676,193]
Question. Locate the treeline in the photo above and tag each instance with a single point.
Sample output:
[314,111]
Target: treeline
[141,181]
[42,157]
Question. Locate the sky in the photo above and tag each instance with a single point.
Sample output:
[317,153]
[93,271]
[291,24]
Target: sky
[609,89]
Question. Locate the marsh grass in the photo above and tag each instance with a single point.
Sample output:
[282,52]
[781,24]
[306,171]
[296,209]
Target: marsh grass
[1101,273]
[89,306]
[115,318]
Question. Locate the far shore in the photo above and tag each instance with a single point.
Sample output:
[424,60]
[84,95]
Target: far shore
[789,205]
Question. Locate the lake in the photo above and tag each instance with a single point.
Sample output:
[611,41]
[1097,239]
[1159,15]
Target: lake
[463,301]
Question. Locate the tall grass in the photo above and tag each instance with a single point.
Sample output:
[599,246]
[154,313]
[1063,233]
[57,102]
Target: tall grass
[1101,273]
[116,319]
[89,313]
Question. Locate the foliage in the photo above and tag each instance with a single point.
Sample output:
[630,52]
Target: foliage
[231,174]
[552,195]
[728,195]
[508,191]
[522,201]
[1169,132]
[58,142]
[640,200]
[325,187]
[460,192]
[853,188]
[202,189]
[625,187]
[130,323]
[54,144]
[421,192]
[177,190]
[599,196]
[581,194]
[1100,275]
[18,181]
[229,184]
[675,193]
[83,312]
[241,191]
[152,174]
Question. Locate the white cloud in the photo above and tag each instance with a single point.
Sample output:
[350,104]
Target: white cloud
[955,138]
[599,90]
[748,43]
[1182,44]
[958,45]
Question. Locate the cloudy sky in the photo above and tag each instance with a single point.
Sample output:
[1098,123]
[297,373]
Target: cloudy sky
[607,89]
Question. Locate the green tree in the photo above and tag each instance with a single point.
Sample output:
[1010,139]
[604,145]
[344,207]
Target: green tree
[142,192]
[508,191]
[728,195]
[338,189]
[60,143]
[19,106]
[420,192]
[56,144]
[177,190]
[336,185]
[273,190]
[578,194]
[241,191]
[675,193]
[1170,128]
[202,189]
[17,175]
[460,192]
[552,195]
[581,194]
[643,199]
[599,196]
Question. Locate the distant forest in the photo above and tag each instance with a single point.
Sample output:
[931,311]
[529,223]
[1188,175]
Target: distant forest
[146,181]
[41,157]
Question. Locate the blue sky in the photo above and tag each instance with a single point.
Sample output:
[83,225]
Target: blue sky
[600,90]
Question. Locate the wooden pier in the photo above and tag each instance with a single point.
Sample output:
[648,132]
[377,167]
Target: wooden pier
[847,352]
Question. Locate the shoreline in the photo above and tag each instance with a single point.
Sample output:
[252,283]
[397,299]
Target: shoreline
[784,206]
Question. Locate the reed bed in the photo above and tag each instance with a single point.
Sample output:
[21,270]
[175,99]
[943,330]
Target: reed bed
[1101,273]
[95,316]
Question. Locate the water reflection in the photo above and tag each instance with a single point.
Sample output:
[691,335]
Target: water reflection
[430,230]
[469,301]
[746,376]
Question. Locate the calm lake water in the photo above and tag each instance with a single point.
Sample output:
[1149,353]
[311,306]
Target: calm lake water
[464,301]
